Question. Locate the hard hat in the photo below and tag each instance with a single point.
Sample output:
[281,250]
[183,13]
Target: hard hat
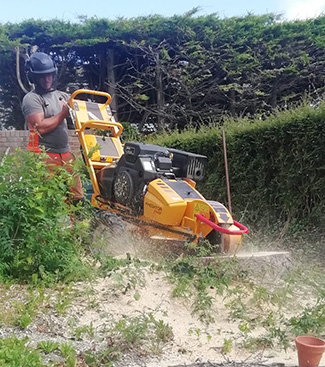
[39,63]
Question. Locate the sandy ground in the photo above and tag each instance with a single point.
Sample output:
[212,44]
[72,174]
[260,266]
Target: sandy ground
[192,341]
[135,291]
[195,341]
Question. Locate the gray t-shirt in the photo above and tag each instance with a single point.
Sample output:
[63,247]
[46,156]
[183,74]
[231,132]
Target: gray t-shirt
[49,103]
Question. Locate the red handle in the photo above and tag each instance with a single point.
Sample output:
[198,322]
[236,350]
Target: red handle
[242,228]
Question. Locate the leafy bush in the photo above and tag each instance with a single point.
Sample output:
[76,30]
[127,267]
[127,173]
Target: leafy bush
[130,133]
[37,239]
[14,352]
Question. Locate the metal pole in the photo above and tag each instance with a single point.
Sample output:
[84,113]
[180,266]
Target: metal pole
[226,169]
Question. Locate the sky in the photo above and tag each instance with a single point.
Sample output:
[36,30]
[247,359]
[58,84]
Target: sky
[15,11]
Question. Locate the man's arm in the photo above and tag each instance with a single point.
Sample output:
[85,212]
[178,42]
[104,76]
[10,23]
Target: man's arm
[46,125]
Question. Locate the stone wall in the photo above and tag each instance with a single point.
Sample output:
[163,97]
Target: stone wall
[13,139]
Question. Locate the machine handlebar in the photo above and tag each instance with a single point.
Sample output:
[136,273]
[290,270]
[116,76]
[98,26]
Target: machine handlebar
[242,229]
[92,92]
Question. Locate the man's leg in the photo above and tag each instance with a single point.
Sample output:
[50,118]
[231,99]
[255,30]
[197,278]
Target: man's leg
[76,188]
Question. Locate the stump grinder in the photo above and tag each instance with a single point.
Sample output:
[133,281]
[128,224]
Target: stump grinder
[148,185]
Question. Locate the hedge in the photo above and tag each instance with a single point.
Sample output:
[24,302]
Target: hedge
[276,166]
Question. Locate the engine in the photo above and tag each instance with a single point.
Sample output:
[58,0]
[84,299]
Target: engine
[125,182]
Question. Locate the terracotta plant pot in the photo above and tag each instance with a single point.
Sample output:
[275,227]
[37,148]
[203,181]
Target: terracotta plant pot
[310,350]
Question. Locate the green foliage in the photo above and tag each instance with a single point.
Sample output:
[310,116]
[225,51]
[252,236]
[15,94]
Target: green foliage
[227,346]
[105,357]
[191,277]
[48,346]
[67,350]
[109,263]
[277,335]
[158,62]
[89,330]
[68,353]
[14,352]
[142,332]
[274,337]
[130,133]
[93,150]
[310,321]
[64,300]
[37,240]
[25,320]
[21,312]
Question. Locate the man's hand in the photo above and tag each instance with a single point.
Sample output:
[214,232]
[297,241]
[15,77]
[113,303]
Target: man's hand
[65,109]
[46,125]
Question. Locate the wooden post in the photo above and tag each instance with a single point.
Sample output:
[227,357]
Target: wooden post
[160,95]
[226,169]
[112,82]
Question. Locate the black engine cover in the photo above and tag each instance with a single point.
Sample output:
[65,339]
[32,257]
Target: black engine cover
[140,164]
[125,181]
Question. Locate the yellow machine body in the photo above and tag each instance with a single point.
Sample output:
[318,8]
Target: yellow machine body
[170,206]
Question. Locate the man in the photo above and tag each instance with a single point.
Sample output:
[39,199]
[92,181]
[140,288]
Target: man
[45,111]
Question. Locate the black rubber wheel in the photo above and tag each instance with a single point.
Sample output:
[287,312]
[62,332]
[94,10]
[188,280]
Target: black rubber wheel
[123,188]
[138,200]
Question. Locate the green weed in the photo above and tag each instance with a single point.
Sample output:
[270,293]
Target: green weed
[310,321]
[25,320]
[48,346]
[14,352]
[163,331]
[71,361]
[202,306]
[280,336]
[142,332]
[25,311]
[198,333]
[67,350]
[65,297]
[194,278]
[227,346]
[109,263]
[238,308]
[106,357]
[91,297]
[258,343]
[130,276]
[89,330]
